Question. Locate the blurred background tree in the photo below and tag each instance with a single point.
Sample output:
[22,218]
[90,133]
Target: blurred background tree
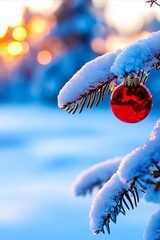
[50,49]
[77,38]
[41,52]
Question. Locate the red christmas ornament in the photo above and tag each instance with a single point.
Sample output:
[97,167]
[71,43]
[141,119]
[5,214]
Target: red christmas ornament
[131,104]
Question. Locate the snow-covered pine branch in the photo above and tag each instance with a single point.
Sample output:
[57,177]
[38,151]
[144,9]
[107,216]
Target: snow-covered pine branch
[143,54]
[90,83]
[138,165]
[132,176]
[92,77]
[88,86]
[111,200]
[95,176]
[153,230]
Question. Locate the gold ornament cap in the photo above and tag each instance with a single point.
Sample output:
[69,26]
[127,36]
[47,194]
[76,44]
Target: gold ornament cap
[131,81]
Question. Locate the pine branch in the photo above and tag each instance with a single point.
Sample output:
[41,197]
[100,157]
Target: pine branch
[114,198]
[126,201]
[93,95]
[95,176]
[152,2]
[144,160]
[89,85]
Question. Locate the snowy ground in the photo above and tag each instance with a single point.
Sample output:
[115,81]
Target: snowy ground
[42,150]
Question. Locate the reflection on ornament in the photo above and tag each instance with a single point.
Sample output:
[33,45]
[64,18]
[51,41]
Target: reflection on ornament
[131,104]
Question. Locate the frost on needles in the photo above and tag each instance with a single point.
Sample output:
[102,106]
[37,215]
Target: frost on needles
[124,180]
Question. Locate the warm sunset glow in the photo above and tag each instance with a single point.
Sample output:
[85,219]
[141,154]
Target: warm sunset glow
[10,13]
[128,16]
[44,57]
[3,50]
[3,30]
[15,48]
[125,15]
[39,26]
[114,42]
[43,6]
[19,33]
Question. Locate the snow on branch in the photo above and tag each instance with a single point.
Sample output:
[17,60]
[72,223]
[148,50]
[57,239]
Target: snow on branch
[138,165]
[94,76]
[143,54]
[112,199]
[153,230]
[90,83]
[137,172]
[95,176]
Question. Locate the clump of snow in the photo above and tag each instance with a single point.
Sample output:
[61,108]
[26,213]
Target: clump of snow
[105,202]
[138,163]
[97,175]
[154,138]
[152,43]
[137,56]
[153,230]
[95,71]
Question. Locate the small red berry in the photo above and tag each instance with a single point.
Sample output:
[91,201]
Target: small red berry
[131,104]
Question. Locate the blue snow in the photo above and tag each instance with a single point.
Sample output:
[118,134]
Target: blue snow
[42,150]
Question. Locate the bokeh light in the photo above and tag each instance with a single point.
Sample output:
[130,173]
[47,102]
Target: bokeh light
[3,48]
[98,45]
[19,33]
[39,26]
[44,57]
[15,48]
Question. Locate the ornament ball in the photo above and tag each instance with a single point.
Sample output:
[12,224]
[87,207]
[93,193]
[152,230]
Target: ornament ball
[131,104]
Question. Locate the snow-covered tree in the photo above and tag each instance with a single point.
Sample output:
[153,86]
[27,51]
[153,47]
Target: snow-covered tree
[124,180]
[78,23]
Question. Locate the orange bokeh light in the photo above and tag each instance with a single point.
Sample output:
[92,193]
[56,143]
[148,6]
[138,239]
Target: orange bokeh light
[44,57]
[3,50]
[39,26]
[19,33]
[98,45]
[15,48]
